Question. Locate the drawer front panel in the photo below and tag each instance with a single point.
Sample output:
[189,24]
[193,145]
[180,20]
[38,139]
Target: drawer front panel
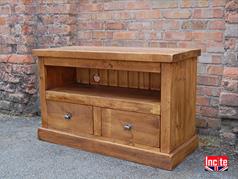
[72,118]
[130,127]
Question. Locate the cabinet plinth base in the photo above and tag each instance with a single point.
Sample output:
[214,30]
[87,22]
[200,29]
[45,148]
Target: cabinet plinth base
[131,153]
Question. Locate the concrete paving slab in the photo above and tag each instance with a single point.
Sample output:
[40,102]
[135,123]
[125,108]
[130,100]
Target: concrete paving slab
[23,156]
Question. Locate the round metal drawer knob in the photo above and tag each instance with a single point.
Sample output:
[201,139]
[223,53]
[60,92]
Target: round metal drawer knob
[127,126]
[68,116]
[96,78]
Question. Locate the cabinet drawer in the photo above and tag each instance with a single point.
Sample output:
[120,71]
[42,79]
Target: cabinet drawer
[71,118]
[130,127]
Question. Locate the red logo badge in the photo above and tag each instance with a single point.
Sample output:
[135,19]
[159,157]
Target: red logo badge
[216,163]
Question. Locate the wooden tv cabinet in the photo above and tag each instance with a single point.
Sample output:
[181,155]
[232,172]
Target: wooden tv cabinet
[136,104]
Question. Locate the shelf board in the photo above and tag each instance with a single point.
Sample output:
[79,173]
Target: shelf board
[137,100]
[166,55]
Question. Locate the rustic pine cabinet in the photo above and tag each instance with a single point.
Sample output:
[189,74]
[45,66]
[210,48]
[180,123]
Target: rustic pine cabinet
[136,104]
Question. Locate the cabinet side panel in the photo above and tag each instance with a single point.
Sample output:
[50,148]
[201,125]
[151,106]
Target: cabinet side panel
[178,95]
[59,76]
[166,111]
[42,76]
[191,86]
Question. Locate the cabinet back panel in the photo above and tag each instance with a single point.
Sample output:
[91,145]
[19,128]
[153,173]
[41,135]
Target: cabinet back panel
[60,76]
[128,79]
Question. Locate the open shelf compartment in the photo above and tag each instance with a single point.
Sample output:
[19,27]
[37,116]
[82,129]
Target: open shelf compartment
[137,100]
[123,90]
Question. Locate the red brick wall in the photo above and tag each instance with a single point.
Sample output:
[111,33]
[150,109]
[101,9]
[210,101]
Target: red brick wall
[207,24]
[24,25]
[159,23]
[56,23]
[18,85]
[229,95]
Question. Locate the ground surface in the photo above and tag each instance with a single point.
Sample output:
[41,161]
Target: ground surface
[22,155]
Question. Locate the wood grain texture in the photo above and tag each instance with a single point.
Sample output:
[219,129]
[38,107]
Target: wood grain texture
[103,77]
[112,77]
[166,97]
[155,81]
[93,72]
[145,128]
[141,155]
[144,80]
[81,121]
[178,155]
[107,89]
[178,94]
[166,55]
[43,87]
[142,101]
[83,75]
[59,76]
[104,64]
[97,121]
[123,79]
[133,79]
[130,79]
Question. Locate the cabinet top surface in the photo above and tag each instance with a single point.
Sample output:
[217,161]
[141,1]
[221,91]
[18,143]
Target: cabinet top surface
[120,53]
